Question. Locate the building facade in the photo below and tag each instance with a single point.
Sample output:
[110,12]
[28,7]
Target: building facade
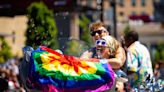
[97,10]
[128,8]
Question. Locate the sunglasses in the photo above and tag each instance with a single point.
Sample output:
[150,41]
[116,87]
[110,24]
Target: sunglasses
[93,33]
[100,42]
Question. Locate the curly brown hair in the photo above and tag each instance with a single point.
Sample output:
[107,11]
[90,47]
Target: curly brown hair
[96,25]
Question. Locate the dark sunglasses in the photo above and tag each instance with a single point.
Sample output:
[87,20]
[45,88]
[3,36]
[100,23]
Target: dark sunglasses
[101,43]
[93,33]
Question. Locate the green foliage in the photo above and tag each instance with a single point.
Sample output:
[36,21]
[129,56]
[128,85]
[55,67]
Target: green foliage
[159,54]
[84,24]
[75,48]
[127,29]
[5,51]
[42,28]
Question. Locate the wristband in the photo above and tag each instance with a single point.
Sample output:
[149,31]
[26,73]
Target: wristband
[103,61]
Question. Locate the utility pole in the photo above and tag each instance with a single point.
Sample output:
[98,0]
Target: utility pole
[113,4]
[102,11]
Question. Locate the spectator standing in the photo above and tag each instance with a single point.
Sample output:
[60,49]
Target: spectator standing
[138,59]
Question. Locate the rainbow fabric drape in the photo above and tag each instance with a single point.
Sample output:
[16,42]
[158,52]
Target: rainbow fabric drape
[51,71]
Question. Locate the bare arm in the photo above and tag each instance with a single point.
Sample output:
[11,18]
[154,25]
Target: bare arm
[119,59]
[86,55]
[115,63]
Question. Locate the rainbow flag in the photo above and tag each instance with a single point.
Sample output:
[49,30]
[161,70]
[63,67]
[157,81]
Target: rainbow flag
[51,71]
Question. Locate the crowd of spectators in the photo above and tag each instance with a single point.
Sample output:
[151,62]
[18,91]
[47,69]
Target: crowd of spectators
[9,76]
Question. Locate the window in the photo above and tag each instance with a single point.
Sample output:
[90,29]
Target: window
[133,2]
[143,3]
[143,13]
[121,3]
[121,14]
[133,13]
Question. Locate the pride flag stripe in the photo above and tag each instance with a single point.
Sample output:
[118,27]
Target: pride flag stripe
[63,72]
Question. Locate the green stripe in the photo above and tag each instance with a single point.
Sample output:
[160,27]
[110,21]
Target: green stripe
[60,75]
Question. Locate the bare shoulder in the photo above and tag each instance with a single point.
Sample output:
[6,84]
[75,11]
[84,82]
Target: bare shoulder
[121,53]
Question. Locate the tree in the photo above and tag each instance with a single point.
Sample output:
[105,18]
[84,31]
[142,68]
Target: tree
[42,28]
[75,48]
[127,29]
[5,51]
[85,35]
[159,54]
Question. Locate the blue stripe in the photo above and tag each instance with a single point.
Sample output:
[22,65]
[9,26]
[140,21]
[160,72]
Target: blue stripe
[36,77]
[105,78]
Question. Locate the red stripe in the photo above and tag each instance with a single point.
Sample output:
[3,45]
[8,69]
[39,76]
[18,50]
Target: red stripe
[50,50]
